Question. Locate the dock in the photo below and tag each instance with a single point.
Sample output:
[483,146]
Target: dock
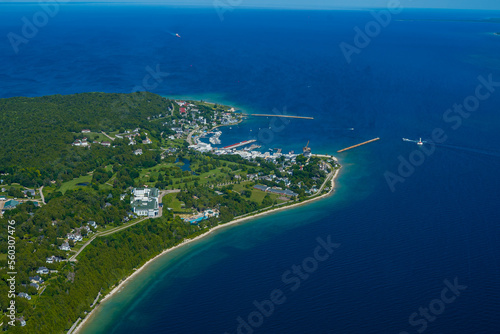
[363,143]
[243,143]
[284,116]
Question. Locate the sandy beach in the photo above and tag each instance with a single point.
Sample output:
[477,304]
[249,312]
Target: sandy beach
[188,241]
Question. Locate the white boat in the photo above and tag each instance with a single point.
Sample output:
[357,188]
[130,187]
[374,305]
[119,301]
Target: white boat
[419,142]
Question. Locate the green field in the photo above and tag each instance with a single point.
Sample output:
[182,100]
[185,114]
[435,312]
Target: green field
[172,143]
[94,136]
[171,201]
[73,183]
[48,190]
[105,186]
[257,195]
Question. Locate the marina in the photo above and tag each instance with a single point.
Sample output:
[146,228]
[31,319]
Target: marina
[215,138]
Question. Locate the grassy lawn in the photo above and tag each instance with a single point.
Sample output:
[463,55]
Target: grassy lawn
[112,179]
[145,173]
[203,178]
[207,177]
[211,175]
[171,201]
[108,228]
[114,133]
[13,185]
[48,190]
[73,183]
[105,186]
[155,170]
[257,195]
[3,257]
[172,143]
[239,187]
[94,136]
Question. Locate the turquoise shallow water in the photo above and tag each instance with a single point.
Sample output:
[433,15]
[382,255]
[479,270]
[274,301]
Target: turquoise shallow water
[397,248]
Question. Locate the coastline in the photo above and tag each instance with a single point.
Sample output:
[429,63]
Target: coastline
[207,233]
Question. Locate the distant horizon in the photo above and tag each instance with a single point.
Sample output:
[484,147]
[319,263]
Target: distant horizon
[300,4]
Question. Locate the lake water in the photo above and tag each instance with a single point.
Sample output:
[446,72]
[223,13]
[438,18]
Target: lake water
[398,245]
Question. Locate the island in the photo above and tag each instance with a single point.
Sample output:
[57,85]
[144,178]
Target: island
[96,185]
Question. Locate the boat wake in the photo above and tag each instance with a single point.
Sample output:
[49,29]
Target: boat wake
[470,149]
[454,147]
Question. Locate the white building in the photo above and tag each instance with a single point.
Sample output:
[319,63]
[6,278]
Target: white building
[144,202]
[65,247]
[201,147]
[42,271]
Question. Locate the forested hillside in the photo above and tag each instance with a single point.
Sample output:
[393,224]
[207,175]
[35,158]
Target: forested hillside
[35,145]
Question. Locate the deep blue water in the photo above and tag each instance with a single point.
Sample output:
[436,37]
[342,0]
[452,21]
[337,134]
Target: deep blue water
[397,247]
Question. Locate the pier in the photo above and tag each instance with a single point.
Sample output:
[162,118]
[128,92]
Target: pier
[354,146]
[243,143]
[284,116]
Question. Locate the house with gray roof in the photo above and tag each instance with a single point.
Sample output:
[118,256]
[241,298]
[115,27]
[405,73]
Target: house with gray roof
[24,295]
[144,202]
[65,247]
[281,192]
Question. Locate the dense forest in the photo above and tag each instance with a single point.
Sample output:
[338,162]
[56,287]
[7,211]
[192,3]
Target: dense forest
[38,133]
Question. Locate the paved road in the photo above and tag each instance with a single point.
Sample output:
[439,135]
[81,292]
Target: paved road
[190,135]
[328,178]
[104,133]
[41,194]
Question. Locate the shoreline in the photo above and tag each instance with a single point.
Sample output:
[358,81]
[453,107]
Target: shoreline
[207,233]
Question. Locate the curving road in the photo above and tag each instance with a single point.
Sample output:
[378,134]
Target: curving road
[120,228]
[41,194]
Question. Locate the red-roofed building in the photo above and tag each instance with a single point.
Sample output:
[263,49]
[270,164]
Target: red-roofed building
[183,110]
